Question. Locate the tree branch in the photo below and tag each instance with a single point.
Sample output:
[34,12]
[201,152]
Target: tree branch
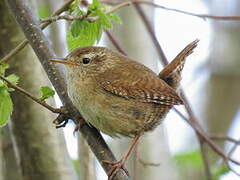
[14,51]
[43,103]
[156,5]
[63,8]
[85,16]
[205,159]
[40,44]
[115,43]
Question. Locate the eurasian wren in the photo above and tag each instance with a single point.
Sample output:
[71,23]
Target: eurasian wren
[120,96]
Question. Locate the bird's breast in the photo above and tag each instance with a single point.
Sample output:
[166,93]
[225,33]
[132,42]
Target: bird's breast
[112,114]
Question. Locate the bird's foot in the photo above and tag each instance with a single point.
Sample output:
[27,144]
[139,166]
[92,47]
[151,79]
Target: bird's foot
[61,121]
[116,166]
[62,118]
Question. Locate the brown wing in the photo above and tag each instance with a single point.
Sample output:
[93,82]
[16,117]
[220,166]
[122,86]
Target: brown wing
[133,80]
[171,74]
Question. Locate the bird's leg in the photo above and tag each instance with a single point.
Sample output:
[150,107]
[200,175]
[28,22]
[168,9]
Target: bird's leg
[120,164]
[79,125]
[62,118]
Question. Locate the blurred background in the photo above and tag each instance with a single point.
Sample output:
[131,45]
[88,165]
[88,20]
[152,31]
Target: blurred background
[211,82]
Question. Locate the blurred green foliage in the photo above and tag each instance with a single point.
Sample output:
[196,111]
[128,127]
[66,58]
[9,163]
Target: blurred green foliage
[43,10]
[193,161]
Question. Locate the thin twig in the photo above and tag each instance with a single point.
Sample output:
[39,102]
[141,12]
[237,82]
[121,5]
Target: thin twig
[43,103]
[204,153]
[225,138]
[115,43]
[63,8]
[230,168]
[203,16]
[145,164]
[152,33]
[23,44]
[135,164]
[68,18]
[83,17]
[232,150]
[199,130]
[14,51]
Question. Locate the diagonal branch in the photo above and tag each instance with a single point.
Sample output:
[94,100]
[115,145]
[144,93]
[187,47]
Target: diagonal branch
[63,8]
[85,16]
[151,32]
[43,103]
[204,153]
[156,5]
[40,44]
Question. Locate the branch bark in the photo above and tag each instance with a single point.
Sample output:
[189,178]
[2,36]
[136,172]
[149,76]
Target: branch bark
[31,129]
[39,43]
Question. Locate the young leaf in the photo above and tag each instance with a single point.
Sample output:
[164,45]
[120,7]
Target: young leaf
[46,92]
[105,22]
[95,5]
[2,84]
[88,34]
[6,106]
[74,5]
[114,18]
[13,78]
[83,33]
[3,67]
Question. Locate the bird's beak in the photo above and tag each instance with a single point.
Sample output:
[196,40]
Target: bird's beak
[63,61]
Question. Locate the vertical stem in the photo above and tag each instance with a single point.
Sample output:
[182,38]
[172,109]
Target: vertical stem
[204,153]
[151,32]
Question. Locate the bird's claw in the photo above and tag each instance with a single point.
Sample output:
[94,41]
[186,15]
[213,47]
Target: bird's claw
[61,121]
[116,166]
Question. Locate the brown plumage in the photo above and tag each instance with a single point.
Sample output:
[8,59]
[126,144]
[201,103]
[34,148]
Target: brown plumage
[171,74]
[120,96]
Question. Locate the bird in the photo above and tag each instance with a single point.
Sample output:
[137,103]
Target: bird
[119,96]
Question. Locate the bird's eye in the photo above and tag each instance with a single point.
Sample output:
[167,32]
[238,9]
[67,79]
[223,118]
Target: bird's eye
[86,60]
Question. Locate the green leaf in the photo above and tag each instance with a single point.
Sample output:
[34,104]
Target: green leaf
[11,89]
[114,17]
[13,78]
[88,34]
[105,22]
[46,92]
[6,106]
[83,33]
[95,5]
[76,28]
[74,5]
[2,84]
[3,68]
